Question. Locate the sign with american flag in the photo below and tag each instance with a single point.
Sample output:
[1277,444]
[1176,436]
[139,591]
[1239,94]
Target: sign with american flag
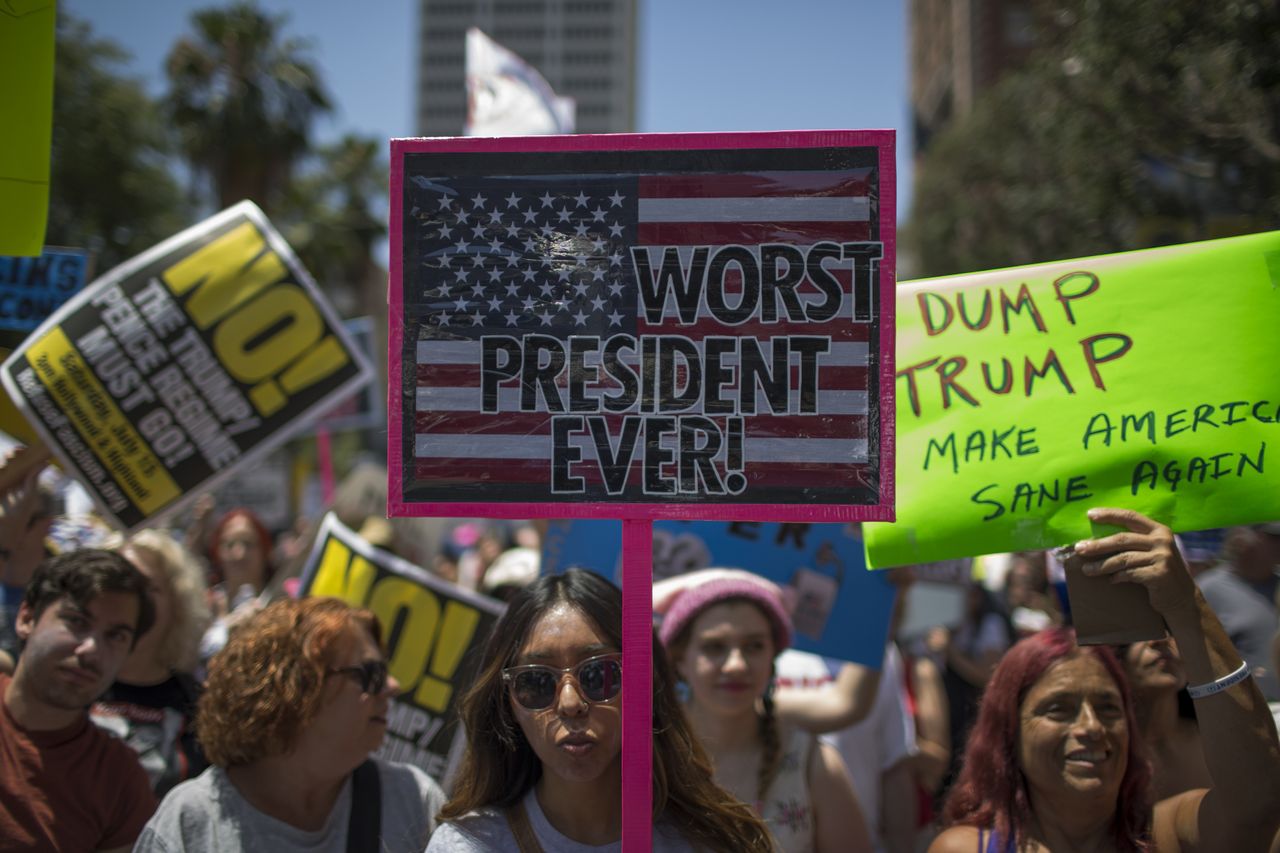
[643,326]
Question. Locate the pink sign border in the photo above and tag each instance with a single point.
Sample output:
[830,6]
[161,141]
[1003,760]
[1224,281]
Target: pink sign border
[882,140]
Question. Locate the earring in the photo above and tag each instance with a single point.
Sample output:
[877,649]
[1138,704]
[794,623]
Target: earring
[683,692]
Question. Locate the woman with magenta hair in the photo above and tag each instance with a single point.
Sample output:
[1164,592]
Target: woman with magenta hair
[240,567]
[723,629]
[1055,761]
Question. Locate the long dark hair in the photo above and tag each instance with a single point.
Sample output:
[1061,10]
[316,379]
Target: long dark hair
[499,766]
[991,792]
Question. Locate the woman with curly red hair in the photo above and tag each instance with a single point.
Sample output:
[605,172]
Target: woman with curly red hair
[1055,763]
[292,709]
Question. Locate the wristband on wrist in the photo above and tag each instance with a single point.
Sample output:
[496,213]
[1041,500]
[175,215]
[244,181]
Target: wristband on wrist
[1200,691]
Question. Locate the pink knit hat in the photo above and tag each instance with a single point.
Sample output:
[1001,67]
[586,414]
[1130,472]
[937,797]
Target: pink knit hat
[692,601]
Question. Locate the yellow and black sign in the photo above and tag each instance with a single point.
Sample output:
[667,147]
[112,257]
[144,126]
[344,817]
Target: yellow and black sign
[434,633]
[181,365]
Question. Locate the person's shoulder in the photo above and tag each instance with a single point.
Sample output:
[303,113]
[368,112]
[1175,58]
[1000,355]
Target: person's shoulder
[198,793]
[408,775]
[484,830]
[1216,577]
[413,783]
[957,839]
[192,815]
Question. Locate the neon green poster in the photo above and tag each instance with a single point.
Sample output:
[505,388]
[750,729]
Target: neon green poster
[1148,380]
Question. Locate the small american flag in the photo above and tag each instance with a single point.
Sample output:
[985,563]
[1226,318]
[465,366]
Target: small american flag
[550,253]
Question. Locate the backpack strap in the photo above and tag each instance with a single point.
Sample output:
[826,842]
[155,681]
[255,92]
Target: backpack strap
[365,824]
[518,820]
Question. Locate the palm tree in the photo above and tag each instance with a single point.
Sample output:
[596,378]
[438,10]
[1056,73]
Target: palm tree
[334,212]
[111,193]
[243,101]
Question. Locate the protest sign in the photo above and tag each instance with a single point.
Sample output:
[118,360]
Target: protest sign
[433,632]
[265,488]
[12,422]
[1106,613]
[27,30]
[839,609]
[1143,380]
[643,326]
[173,369]
[32,288]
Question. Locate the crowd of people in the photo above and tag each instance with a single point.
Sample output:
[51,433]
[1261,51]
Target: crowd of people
[170,691]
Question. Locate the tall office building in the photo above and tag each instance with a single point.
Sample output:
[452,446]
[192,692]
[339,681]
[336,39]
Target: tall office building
[960,48]
[584,48]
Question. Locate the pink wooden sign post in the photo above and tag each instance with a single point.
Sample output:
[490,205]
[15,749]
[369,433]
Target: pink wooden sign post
[643,326]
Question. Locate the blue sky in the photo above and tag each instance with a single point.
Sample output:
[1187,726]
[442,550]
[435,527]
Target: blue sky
[704,65]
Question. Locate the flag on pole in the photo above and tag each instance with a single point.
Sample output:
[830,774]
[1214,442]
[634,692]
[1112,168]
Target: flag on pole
[506,96]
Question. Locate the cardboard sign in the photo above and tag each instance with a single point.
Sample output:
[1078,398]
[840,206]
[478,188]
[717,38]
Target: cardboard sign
[1106,613]
[173,369]
[643,326]
[840,610]
[433,632]
[33,288]
[1143,380]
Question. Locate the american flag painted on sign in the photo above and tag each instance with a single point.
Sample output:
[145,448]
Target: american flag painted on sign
[552,252]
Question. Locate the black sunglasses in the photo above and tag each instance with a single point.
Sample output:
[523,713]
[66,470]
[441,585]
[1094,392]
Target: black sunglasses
[535,687]
[372,675]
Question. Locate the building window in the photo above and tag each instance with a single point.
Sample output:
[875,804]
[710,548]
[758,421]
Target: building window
[1019,26]
[588,7]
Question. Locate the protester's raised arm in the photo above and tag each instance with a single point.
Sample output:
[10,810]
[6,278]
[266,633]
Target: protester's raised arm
[833,706]
[22,527]
[1236,727]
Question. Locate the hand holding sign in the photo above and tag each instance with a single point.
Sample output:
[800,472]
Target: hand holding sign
[639,327]
[23,525]
[1143,553]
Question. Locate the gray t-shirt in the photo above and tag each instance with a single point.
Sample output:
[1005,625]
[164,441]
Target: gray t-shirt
[487,831]
[208,815]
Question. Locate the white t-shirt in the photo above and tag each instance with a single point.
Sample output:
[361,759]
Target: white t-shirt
[487,831]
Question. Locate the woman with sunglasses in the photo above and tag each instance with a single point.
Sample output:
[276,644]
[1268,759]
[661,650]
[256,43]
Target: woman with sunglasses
[543,766]
[293,706]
